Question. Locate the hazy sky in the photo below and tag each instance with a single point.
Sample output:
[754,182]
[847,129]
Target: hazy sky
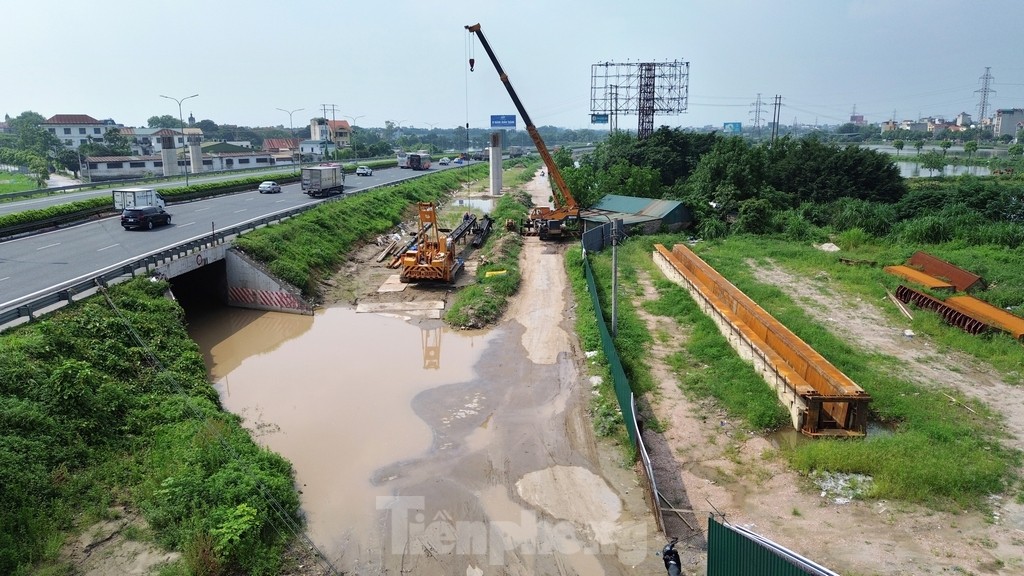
[407,61]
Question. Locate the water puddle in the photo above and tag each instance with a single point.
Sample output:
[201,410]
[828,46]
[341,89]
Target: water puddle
[334,398]
[477,205]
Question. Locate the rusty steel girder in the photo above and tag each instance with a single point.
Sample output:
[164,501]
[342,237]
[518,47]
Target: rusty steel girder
[951,315]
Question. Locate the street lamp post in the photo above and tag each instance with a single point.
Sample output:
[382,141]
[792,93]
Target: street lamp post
[182,121]
[353,119]
[291,128]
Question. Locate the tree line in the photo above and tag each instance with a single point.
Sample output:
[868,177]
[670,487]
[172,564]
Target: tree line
[801,188]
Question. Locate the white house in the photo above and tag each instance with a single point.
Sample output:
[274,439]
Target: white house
[98,168]
[73,130]
[317,148]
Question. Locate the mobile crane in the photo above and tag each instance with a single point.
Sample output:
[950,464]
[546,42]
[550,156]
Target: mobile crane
[548,222]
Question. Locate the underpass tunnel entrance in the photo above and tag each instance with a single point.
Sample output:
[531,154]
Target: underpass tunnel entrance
[203,289]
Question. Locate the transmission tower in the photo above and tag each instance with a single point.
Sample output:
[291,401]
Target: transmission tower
[984,91]
[646,88]
[776,118]
[757,114]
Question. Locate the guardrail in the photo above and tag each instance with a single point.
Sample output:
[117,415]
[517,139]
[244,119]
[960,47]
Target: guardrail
[29,307]
[157,179]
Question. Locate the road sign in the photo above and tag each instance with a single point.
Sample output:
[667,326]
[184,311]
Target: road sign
[503,121]
[598,118]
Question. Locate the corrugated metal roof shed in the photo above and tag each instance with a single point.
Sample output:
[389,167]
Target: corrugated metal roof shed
[650,207]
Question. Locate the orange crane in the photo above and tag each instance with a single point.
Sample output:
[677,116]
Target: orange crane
[548,222]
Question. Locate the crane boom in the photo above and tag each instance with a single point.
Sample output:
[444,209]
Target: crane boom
[565,203]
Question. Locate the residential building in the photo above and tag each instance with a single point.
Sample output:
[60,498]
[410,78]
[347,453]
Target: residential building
[337,131]
[1008,121]
[101,168]
[73,130]
[317,148]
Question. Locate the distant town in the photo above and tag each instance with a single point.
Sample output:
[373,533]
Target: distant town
[99,150]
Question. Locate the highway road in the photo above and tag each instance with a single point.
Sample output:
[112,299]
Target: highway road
[63,197]
[34,265]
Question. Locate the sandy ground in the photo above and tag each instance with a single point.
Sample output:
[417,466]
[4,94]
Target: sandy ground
[706,464]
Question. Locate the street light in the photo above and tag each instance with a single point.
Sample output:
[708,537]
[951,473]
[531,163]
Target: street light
[352,136]
[182,120]
[291,127]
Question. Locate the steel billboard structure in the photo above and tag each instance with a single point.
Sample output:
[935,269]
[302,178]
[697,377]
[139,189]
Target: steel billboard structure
[641,88]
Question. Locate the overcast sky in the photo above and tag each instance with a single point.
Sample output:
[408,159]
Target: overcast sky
[407,61]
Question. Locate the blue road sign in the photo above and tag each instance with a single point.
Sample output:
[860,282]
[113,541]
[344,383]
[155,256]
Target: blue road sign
[598,118]
[503,121]
[732,127]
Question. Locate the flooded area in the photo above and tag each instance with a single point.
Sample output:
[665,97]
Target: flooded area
[333,394]
[476,205]
[915,170]
[420,449]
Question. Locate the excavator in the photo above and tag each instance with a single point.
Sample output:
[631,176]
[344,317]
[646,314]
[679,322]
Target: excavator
[546,222]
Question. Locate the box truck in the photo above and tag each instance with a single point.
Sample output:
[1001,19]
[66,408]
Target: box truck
[323,180]
[125,198]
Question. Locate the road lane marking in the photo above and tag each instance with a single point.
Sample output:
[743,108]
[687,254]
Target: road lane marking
[183,225]
[48,246]
[108,247]
[5,278]
[242,210]
[202,209]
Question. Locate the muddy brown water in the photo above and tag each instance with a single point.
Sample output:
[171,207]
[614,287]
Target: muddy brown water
[333,394]
[421,448]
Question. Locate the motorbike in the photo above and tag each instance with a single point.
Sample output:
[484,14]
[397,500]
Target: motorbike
[671,558]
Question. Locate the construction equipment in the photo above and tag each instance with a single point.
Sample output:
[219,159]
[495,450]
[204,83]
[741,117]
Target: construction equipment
[546,222]
[431,255]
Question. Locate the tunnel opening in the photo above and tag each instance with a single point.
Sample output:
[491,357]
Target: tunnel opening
[202,290]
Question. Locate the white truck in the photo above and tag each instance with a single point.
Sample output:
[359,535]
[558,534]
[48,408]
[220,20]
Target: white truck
[125,198]
[322,181]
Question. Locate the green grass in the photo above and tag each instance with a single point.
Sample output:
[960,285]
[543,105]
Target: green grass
[10,182]
[91,419]
[940,453]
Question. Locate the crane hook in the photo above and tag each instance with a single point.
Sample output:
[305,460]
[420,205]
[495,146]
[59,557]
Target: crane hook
[472,61]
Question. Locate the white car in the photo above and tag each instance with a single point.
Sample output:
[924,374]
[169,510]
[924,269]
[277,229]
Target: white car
[444,161]
[364,171]
[269,187]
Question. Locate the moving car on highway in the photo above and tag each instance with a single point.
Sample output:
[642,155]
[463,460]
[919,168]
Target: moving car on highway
[144,217]
[364,171]
[270,187]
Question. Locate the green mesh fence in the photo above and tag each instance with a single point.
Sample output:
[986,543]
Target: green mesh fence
[622,390]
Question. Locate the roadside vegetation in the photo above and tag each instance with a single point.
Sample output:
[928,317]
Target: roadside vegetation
[768,206]
[107,404]
[305,250]
[11,182]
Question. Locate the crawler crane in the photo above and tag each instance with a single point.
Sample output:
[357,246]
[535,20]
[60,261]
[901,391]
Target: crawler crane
[546,222]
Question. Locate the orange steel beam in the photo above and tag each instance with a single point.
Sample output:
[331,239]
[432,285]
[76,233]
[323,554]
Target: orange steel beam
[989,314]
[960,278]
[835,404]
[918,277]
